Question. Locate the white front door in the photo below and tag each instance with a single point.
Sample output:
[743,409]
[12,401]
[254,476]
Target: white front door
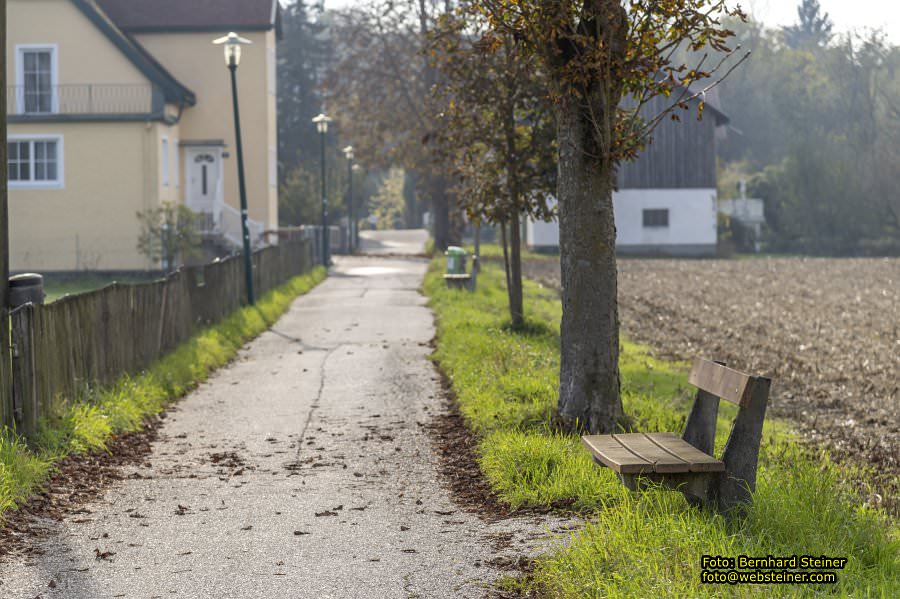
[204,183]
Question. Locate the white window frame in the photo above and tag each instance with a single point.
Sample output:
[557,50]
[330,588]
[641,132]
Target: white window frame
[60,182]
[164,159]
[176,164]
[20,76]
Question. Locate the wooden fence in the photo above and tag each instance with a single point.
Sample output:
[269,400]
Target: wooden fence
[92,339]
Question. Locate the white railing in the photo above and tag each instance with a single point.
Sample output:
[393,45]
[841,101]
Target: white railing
[81,99]
[230,227]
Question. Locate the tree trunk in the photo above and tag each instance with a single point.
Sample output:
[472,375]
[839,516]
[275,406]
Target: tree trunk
[514,265]
[505,252]
[411,211]
[514,278]
[589,334]
[440,213]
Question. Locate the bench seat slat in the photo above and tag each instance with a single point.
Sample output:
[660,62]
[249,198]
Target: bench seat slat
[662,453]
[663,462]
[609,452]
[696,459]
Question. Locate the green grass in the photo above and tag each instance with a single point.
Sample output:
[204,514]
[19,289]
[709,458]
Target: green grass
[88,422]
[494,251]
[649,543]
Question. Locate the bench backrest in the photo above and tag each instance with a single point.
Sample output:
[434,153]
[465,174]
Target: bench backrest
[741,454]
[722,381]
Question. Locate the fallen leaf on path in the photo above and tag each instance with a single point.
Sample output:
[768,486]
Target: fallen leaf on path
[297,533]
[105,555]
[325,513]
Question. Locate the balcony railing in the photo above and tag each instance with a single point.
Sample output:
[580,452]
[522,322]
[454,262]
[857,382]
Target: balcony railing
[82,99]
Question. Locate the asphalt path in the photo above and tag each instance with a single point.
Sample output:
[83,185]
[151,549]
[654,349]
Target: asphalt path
[303,469]
[394,242]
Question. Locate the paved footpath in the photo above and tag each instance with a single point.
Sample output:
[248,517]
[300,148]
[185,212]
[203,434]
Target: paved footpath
[304,469]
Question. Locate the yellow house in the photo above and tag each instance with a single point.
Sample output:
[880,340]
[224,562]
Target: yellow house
[115,106]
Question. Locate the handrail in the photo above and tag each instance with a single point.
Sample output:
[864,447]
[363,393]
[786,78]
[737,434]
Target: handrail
[230,226]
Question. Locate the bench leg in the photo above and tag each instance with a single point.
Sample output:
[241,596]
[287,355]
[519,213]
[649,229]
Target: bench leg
[697,487]
[741,455]
[700,430]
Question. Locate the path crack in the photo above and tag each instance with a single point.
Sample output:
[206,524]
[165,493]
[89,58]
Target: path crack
[315,403]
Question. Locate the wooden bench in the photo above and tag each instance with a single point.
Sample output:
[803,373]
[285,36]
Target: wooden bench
[686,463]
[464,280]
[457,281]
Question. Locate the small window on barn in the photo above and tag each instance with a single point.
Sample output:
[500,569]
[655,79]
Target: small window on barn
[657,217]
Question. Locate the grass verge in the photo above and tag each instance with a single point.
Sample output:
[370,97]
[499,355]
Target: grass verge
[89,422]
[650,543]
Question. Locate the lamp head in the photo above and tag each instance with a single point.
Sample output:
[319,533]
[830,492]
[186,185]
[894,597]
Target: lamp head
[321,122]
[348,152]
[232,43]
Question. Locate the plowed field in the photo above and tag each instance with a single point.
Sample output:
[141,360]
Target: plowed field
[826,330]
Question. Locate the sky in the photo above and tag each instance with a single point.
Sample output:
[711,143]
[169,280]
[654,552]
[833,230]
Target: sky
[847,15]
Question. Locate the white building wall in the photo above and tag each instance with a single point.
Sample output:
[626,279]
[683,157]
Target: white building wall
[691,229]
[540,234]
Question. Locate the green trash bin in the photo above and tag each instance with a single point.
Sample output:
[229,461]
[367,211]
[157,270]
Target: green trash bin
[456,260]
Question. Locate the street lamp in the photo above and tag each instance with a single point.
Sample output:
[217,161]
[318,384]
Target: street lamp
[233,43]
[348,154]
[321,122]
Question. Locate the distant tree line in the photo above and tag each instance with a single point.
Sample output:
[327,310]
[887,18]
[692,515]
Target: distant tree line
[306,56]
[815,131]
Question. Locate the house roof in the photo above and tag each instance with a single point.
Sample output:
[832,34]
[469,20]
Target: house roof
[192,15]
[173,90]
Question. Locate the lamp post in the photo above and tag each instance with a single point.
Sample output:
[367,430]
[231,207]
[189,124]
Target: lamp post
[321,122]
[348,153]
[233,43]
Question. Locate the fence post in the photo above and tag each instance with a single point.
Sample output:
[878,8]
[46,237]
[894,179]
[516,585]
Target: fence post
[25,405]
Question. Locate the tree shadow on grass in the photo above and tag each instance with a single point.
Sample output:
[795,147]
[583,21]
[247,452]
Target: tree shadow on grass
[531,329]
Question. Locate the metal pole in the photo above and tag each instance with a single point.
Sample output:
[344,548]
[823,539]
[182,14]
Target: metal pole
[326,259]
[6,418]
[350,211]
[4,224]
[245,229]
